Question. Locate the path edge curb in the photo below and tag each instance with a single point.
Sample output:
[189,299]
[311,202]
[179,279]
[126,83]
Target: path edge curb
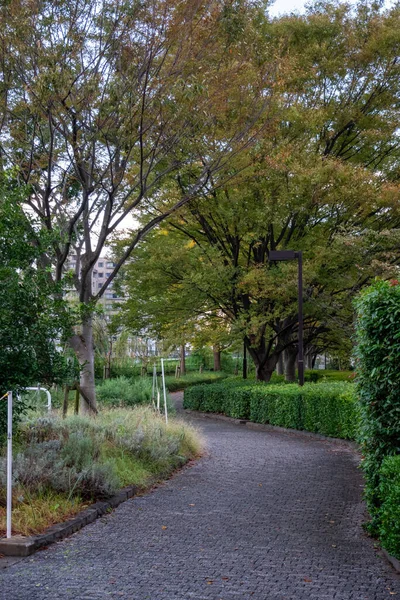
[267,427]
[395,562]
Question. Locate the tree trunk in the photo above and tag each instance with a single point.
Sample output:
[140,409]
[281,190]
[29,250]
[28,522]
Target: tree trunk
[290,363]
[183,360]
[217,357]
[84,350]
[279,365]
[264,371]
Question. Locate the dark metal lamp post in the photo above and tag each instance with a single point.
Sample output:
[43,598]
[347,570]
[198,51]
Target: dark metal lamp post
[291,255]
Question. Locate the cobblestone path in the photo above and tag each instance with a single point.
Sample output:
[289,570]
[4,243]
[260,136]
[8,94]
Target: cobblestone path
[264,515]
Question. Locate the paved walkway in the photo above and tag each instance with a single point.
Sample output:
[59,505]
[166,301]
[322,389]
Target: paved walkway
[264,515]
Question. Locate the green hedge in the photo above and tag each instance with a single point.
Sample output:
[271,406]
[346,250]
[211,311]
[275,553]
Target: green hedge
[378,384]
[389,514]
[173,384]
[327,408]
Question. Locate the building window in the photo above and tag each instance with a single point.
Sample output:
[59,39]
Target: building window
[100,274]
[110,265]
[115,295]
[108,274]
[99,285]
[101,264]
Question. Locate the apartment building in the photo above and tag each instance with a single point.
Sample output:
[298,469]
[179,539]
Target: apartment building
[101,271]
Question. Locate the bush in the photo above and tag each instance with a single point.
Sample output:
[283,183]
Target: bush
[389,514]
[328,408]
[190,379]
[125,392]
[316,375]
[91,458]
[378,383]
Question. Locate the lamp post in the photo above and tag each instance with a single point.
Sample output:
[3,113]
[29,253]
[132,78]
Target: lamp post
[291,255]
[244,361]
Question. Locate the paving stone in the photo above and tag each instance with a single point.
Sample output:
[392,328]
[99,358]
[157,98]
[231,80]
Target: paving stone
[265,515]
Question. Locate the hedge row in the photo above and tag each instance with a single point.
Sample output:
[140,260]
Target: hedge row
[378,384]
[174,384]
[327,408]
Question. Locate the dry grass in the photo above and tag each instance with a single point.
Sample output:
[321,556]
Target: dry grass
[34,513]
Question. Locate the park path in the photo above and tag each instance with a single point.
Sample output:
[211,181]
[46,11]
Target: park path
[264,515]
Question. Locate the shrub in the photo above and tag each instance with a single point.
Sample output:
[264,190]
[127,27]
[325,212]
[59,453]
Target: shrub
[328,408]
[82,456]
[378,382]
[125,392]
[389,514]
[190,379]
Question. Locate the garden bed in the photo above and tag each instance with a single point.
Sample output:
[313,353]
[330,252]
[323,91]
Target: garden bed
[61,466]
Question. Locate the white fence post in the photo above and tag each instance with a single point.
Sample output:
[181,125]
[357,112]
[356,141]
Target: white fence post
[164,390]
[9,463]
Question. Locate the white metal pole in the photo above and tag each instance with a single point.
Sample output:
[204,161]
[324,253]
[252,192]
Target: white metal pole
[153,391]
[9,463]
[164,391]
[48,400]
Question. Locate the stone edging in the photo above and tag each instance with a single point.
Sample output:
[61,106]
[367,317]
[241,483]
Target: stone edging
[395,562]
[267,427]
[19,545]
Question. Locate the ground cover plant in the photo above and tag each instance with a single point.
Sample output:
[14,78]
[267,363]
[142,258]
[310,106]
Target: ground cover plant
[60,465]
[378,382]
[327,408]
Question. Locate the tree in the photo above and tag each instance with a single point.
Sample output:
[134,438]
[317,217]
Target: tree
[33,316]
[325,183]
[104,102]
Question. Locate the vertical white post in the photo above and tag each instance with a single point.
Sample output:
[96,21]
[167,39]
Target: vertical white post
[153,391]
[9,463]
[164,391]
[48,400]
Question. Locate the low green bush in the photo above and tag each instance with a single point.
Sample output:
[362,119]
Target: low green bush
[389,513]
[316,375]
[174,384]
[124,391]
[327,408]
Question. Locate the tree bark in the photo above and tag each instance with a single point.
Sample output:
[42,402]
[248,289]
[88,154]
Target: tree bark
[290,363]
[279,365]
[84,349]
[217,357]
[183,360]
[265,366]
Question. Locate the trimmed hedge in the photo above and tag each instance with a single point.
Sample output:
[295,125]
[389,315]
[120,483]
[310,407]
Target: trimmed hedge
[329,409]
[378,383]
[173,384]
[389,514]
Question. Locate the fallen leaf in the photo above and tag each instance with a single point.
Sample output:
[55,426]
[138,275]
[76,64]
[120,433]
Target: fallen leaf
[164,527]
[306,579]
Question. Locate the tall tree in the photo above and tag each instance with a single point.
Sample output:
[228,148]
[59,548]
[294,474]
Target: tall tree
[33,316]
[102,102]
[325,183]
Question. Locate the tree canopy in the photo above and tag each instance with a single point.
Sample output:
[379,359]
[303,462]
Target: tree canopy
[325,181]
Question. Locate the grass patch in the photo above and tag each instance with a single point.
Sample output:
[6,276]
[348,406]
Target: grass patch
[35,512]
